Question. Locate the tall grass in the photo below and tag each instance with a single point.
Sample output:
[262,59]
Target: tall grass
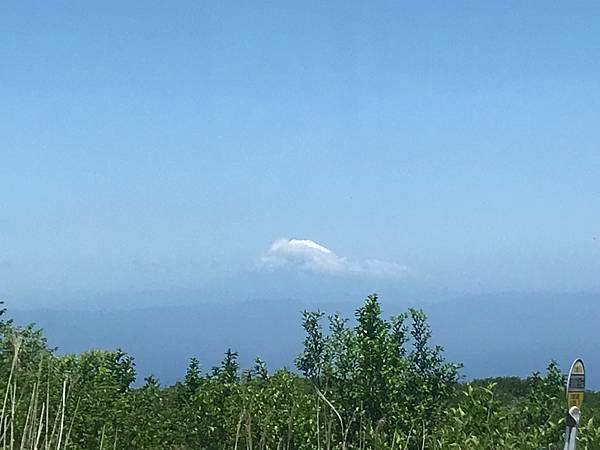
[33,431]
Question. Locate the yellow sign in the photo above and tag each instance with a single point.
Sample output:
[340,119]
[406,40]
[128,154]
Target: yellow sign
[576,384]
[575,399]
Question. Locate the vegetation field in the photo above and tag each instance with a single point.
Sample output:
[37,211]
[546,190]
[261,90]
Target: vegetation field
[375,384]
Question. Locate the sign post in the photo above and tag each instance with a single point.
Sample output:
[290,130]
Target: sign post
[575,393]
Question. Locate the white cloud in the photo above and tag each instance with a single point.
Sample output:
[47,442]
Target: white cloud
[308,256]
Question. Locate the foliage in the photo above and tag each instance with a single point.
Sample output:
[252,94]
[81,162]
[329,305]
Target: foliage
[378,384]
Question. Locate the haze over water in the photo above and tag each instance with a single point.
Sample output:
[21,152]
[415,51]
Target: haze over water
[179,155]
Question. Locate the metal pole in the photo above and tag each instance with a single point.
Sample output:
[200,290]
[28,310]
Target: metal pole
[573,417]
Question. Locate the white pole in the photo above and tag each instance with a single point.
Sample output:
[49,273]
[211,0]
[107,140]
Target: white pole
[571,432]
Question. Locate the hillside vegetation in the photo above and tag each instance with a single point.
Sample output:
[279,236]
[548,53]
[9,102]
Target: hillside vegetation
[378,384]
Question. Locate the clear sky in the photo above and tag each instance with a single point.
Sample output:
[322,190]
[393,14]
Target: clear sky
[453,145]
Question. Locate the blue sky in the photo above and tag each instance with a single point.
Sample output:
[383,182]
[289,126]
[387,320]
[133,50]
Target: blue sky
[155,144]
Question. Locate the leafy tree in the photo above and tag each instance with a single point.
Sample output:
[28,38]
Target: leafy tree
[378,384]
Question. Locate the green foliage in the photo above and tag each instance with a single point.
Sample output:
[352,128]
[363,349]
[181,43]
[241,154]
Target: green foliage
[378,384]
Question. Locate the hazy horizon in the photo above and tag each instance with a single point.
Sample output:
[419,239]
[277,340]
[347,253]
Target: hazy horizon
[229,159]
[493,335]
[449,147]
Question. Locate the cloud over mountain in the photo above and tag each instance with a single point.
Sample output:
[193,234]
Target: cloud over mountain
[308,256]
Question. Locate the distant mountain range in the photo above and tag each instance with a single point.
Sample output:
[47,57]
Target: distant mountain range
[492,335]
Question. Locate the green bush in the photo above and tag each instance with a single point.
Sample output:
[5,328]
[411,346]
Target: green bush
[379,384]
